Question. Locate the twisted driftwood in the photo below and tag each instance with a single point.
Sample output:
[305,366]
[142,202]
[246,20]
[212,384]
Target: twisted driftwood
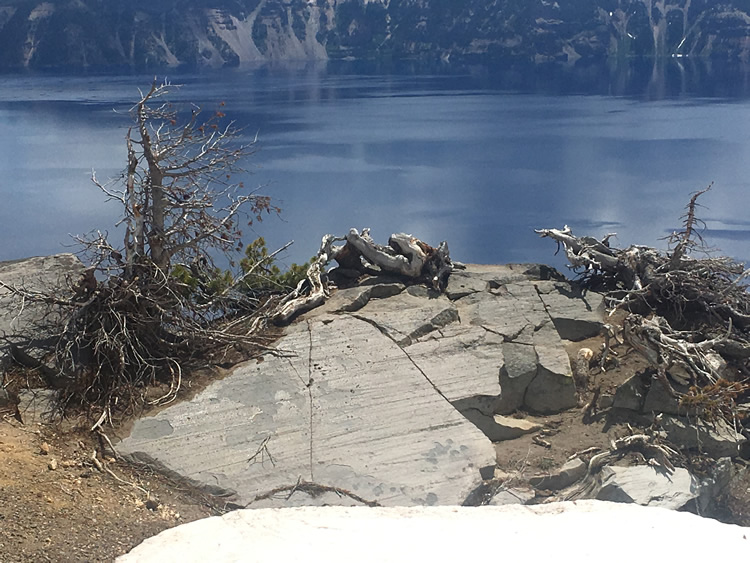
[404,255]
[694,312]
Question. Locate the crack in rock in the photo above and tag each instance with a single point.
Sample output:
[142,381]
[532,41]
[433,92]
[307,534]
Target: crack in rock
[408,356]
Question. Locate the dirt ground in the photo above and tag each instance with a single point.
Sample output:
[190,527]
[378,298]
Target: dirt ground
[566,433]
[58,504]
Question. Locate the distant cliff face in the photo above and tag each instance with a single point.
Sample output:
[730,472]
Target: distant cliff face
[216,33]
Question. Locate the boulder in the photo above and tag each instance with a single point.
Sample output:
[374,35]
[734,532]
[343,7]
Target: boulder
[38,405]
[576,315]
[716,439]
[552,390]
[631,394]
[648,486]
[512,495]
[716,486]
[22,324]
[542,532]
[658,400]
[516,374]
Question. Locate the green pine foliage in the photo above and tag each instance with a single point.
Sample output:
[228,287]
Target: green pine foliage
[262,274]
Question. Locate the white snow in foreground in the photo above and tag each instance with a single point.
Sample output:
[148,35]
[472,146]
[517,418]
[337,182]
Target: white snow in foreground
[565,531]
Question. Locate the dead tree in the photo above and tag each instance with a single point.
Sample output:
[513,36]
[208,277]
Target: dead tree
[131,322]
[694,312]
[404,255]
[688,291]
[178,200]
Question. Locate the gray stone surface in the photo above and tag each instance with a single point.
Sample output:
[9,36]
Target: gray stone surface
[464,363]
[571,472]
[53,274]
[514,316]
[461,284]
[405,318]
[606,401]
[38,405]
[496,275]
[552,390]
[349,410]
[354,298]
[576,315]
[630,394]
[512,495]
[558,531]
[515,376]
[388,393]
[716,439]
[659,400]
[715,487]
[648,486]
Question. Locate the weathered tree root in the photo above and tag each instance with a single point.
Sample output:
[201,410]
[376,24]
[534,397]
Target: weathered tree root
[404,255]
[312,489]
[656,454]
[695,312]
[663,347]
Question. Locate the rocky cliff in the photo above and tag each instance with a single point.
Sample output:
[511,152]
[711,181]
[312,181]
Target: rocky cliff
[216,33]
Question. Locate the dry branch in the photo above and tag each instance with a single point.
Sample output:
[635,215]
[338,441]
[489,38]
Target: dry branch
[693,313]
[653,451]
[132,322]
[314,490]
[404,255]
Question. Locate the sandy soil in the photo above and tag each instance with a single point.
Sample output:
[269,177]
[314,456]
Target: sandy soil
[55,505]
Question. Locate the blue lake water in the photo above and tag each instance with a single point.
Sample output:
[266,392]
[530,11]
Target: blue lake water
[471,157]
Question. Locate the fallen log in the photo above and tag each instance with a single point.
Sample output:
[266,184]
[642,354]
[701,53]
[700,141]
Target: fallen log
[297,302]
[404,255]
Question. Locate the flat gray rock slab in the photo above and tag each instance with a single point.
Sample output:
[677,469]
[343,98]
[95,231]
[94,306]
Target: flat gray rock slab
[461,284]
[349,409]
[463,362]
[385,393]
[496,275]
[354,298]
[576,315]
[43,273]
[38,406]
[53,273]
[511,311]
[408,535]
[405,318]
[648,486]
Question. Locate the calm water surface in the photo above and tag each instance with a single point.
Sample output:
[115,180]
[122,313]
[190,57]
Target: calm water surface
[463,157]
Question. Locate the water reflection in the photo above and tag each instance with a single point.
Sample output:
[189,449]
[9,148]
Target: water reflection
[477,156]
